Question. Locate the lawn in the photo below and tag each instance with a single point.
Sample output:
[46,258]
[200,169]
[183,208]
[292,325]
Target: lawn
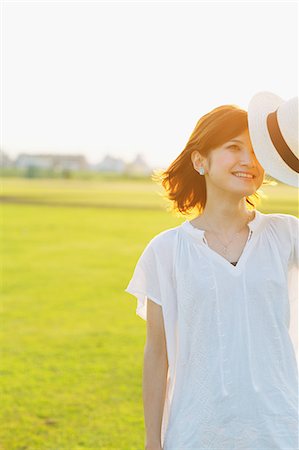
[71,343]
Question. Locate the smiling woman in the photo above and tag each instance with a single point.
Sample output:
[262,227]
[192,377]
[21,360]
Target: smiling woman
[220,361]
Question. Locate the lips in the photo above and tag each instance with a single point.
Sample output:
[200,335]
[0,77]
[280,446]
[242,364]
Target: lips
[243,178]
[250,177]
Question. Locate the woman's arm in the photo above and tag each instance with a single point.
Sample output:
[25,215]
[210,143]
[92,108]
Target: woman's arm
[154,375]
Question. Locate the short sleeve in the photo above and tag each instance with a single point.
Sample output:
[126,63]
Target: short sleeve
[145,281]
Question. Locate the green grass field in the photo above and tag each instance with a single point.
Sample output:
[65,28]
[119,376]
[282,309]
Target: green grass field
[71,343]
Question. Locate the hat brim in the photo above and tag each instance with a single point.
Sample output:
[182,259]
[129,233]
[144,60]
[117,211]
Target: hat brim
[259,107]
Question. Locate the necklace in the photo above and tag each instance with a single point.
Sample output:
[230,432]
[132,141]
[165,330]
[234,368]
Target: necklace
[234,236]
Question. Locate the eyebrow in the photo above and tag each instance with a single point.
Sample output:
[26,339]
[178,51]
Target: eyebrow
[236,140]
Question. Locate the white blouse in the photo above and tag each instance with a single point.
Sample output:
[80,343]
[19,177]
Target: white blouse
[231,335]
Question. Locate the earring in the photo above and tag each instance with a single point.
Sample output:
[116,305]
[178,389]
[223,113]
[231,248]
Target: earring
[201,170]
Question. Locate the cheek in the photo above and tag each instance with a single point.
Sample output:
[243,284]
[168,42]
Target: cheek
[225,160]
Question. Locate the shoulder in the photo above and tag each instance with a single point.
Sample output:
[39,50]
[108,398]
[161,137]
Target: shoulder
[165,237]
[286,226]
[162,245]
[281,216]
[283,220]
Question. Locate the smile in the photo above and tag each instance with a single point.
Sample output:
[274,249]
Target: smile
[243,175]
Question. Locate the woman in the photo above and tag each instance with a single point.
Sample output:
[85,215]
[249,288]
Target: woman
[217,293]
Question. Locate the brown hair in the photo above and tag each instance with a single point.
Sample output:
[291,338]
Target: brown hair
[184,187]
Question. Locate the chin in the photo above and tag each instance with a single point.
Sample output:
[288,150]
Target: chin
[244,192]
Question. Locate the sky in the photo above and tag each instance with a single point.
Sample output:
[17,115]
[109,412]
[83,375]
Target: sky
[123,78]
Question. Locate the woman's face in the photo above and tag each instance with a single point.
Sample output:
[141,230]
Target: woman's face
[236,155]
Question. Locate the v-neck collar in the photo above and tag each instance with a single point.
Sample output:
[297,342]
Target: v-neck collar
[254,225]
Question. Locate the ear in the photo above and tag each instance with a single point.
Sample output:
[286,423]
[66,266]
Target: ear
[196,159]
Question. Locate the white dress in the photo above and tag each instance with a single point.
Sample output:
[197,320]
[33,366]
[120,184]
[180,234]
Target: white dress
[231,335]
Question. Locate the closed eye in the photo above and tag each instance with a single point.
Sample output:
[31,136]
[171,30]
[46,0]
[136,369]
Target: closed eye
[234,146]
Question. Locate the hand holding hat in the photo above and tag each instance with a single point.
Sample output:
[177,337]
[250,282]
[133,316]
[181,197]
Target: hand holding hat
[273,129]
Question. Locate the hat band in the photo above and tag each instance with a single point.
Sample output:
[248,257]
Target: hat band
[280,144]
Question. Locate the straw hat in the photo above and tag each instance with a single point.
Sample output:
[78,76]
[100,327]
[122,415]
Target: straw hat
[273,130]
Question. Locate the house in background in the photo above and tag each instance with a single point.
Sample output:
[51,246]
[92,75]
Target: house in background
[138,166]
[110,164]
[59,163]
[52,161]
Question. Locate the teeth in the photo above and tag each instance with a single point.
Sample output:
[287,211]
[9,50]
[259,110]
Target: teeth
[244,175]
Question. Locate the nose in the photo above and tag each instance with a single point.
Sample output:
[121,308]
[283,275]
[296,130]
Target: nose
[248,157]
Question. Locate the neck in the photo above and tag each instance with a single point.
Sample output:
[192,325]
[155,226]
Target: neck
[224,219]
